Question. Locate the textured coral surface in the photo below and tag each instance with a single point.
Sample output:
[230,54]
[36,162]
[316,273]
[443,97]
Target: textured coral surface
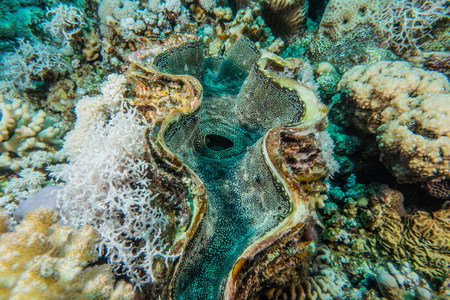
[204,163]
[408,109]
[41,259]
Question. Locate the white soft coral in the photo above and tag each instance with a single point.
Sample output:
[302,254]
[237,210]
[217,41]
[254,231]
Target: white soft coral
[66,22]
[107,184]
[405,22]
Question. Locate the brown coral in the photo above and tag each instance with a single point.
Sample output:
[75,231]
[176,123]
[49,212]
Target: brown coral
[421,238]
[41,259]
[342,17]
[408,108]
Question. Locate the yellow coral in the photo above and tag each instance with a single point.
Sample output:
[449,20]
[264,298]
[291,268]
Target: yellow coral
[409,110]
[21,132]
[422,238]
[41,259]
[342,17]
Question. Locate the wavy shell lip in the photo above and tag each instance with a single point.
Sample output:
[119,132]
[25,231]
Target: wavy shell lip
[162,98]
[300,212]
[167,99]
[285,72]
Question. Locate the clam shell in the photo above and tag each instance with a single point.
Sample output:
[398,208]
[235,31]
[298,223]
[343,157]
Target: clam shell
[245,139]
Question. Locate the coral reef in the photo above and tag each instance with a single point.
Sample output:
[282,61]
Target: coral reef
[407,108]
[43,260]
[202,165]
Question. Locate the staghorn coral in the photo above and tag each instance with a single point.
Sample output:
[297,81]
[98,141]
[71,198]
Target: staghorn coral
[407,108]
[43,260]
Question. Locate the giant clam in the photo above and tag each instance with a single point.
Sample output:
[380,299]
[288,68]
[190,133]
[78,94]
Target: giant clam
[252,138]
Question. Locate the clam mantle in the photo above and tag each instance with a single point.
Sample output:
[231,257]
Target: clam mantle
[251,137]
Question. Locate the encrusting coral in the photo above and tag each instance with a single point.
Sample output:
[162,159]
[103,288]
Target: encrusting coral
[347,17]
[41,259]
[408,109]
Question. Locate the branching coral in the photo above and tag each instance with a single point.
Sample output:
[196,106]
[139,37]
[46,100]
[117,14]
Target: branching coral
[405,22]
[22,131]
[41,259]
[108,184]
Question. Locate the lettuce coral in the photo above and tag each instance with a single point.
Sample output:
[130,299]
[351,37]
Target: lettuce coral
[422,238]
